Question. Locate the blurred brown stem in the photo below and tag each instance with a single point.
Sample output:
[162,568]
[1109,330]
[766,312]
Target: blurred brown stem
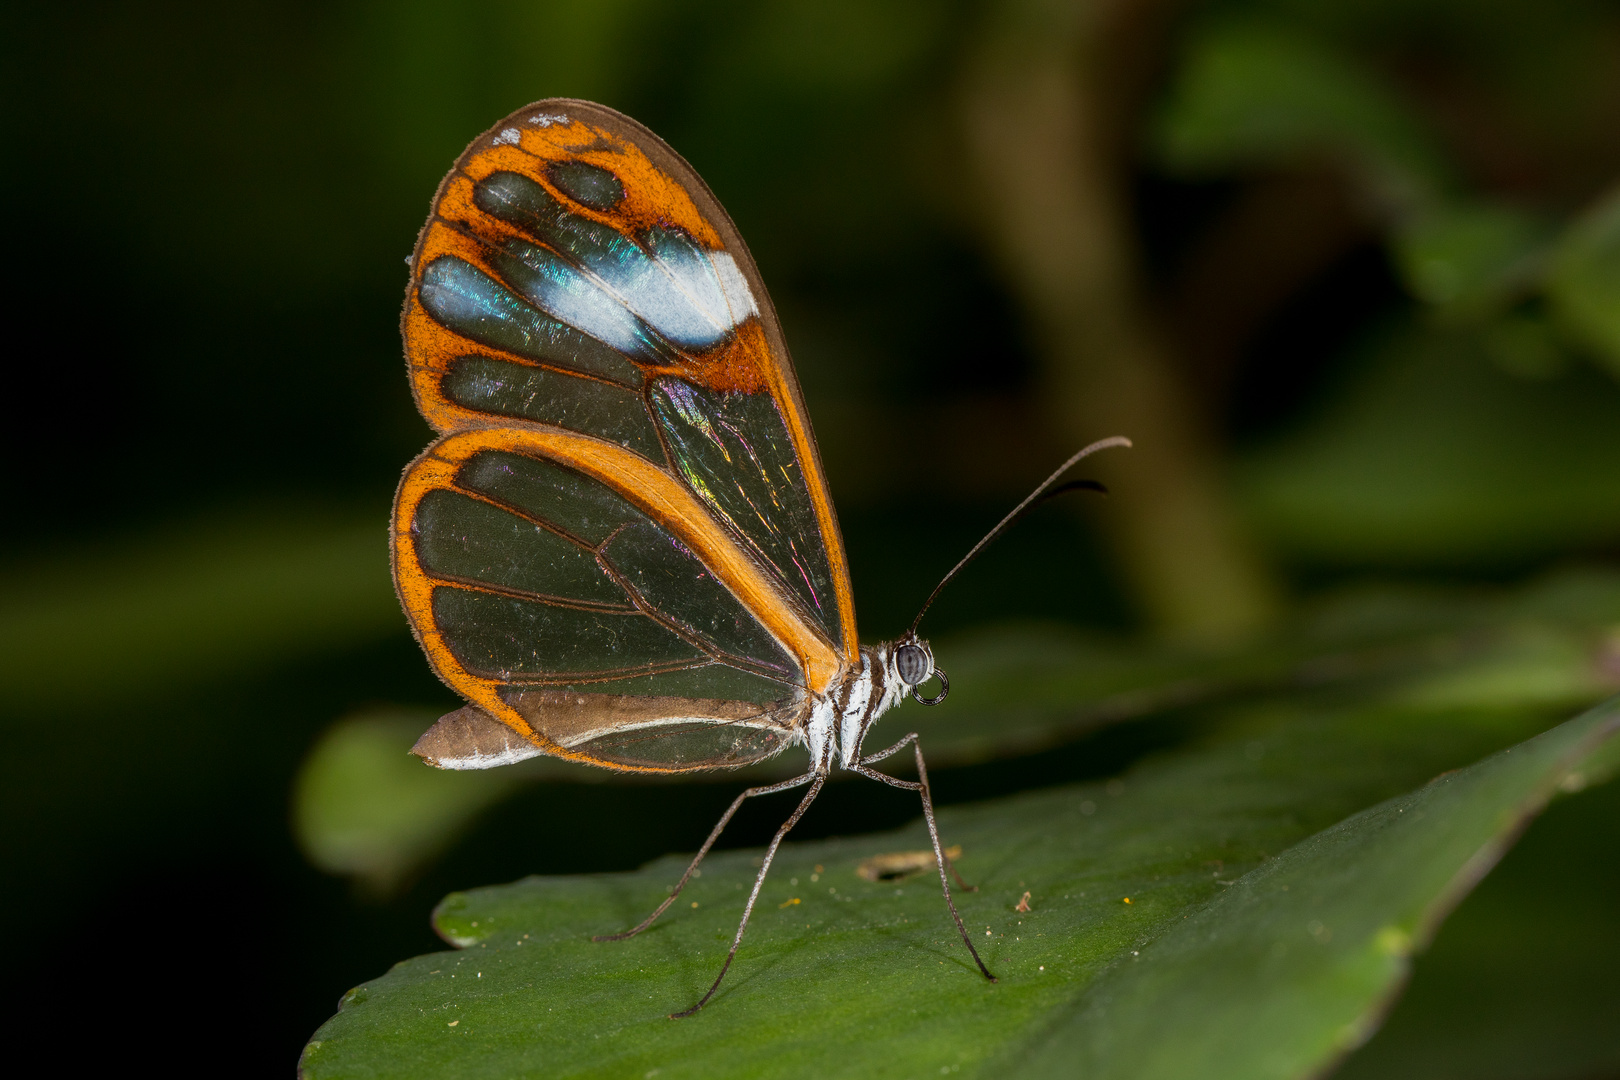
[1047,94]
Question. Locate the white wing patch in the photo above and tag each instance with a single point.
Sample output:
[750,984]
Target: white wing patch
[739,298]
[580,301]
[508,137]
[652,726]
[690,297]
[510,756]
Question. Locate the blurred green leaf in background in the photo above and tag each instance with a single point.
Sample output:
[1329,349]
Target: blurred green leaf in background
[364,808]
[199,602]
[1585,284]
[1257,94]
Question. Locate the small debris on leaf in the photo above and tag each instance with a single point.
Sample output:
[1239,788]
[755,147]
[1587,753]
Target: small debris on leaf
[899,864]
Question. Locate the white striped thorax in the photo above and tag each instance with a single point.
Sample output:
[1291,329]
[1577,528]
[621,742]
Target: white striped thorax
[840,719]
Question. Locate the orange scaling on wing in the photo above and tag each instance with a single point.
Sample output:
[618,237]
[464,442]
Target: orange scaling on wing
[647,487]
[428,473]
[736,366]
[456,199]
[815,481]
[430,348]
[651,196]
[752,360]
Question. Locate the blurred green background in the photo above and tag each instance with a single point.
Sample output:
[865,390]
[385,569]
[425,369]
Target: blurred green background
[1347,270]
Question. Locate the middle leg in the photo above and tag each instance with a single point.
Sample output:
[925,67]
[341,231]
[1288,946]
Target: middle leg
[725,819]
[759,881]
[921,787]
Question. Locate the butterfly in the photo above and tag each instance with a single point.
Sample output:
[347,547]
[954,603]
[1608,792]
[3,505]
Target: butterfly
[621,549]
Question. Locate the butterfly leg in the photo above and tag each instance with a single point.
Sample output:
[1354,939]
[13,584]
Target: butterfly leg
[765,867]
[920,785]
[879,756]
[720,826]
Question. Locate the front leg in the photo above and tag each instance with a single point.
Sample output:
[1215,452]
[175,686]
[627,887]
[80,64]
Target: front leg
[920,786]
[861,767]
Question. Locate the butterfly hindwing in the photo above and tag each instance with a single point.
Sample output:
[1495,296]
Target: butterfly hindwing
[585,598]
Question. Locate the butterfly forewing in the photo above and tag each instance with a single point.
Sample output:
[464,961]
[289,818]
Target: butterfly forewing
[623,546]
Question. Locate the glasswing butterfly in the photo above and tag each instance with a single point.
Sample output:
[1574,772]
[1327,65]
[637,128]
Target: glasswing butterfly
[621,549]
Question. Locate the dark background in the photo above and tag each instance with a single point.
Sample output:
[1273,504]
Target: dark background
[210,209]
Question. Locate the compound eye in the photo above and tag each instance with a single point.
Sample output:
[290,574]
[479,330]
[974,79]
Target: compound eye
[913,664]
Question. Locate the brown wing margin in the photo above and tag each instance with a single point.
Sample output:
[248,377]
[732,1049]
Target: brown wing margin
[671,193]
[642,484]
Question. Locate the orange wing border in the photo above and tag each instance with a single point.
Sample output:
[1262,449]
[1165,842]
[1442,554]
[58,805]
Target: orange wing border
[646,487]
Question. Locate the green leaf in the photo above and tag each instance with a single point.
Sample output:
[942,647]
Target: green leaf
[1202,841]
[1290,968]
[1250,96]
[365,808]
[1584,288]
[1519,984]
[1436,456]
[1526,345]
[1468,258]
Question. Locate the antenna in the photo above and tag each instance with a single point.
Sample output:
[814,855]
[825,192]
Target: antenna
[1039,495]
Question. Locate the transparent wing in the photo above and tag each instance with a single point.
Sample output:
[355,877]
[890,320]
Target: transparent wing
[586,599]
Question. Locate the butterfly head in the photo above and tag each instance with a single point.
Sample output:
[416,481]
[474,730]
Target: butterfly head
[914,663]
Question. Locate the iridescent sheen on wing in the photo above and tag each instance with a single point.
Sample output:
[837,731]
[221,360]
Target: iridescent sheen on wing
[577,277]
